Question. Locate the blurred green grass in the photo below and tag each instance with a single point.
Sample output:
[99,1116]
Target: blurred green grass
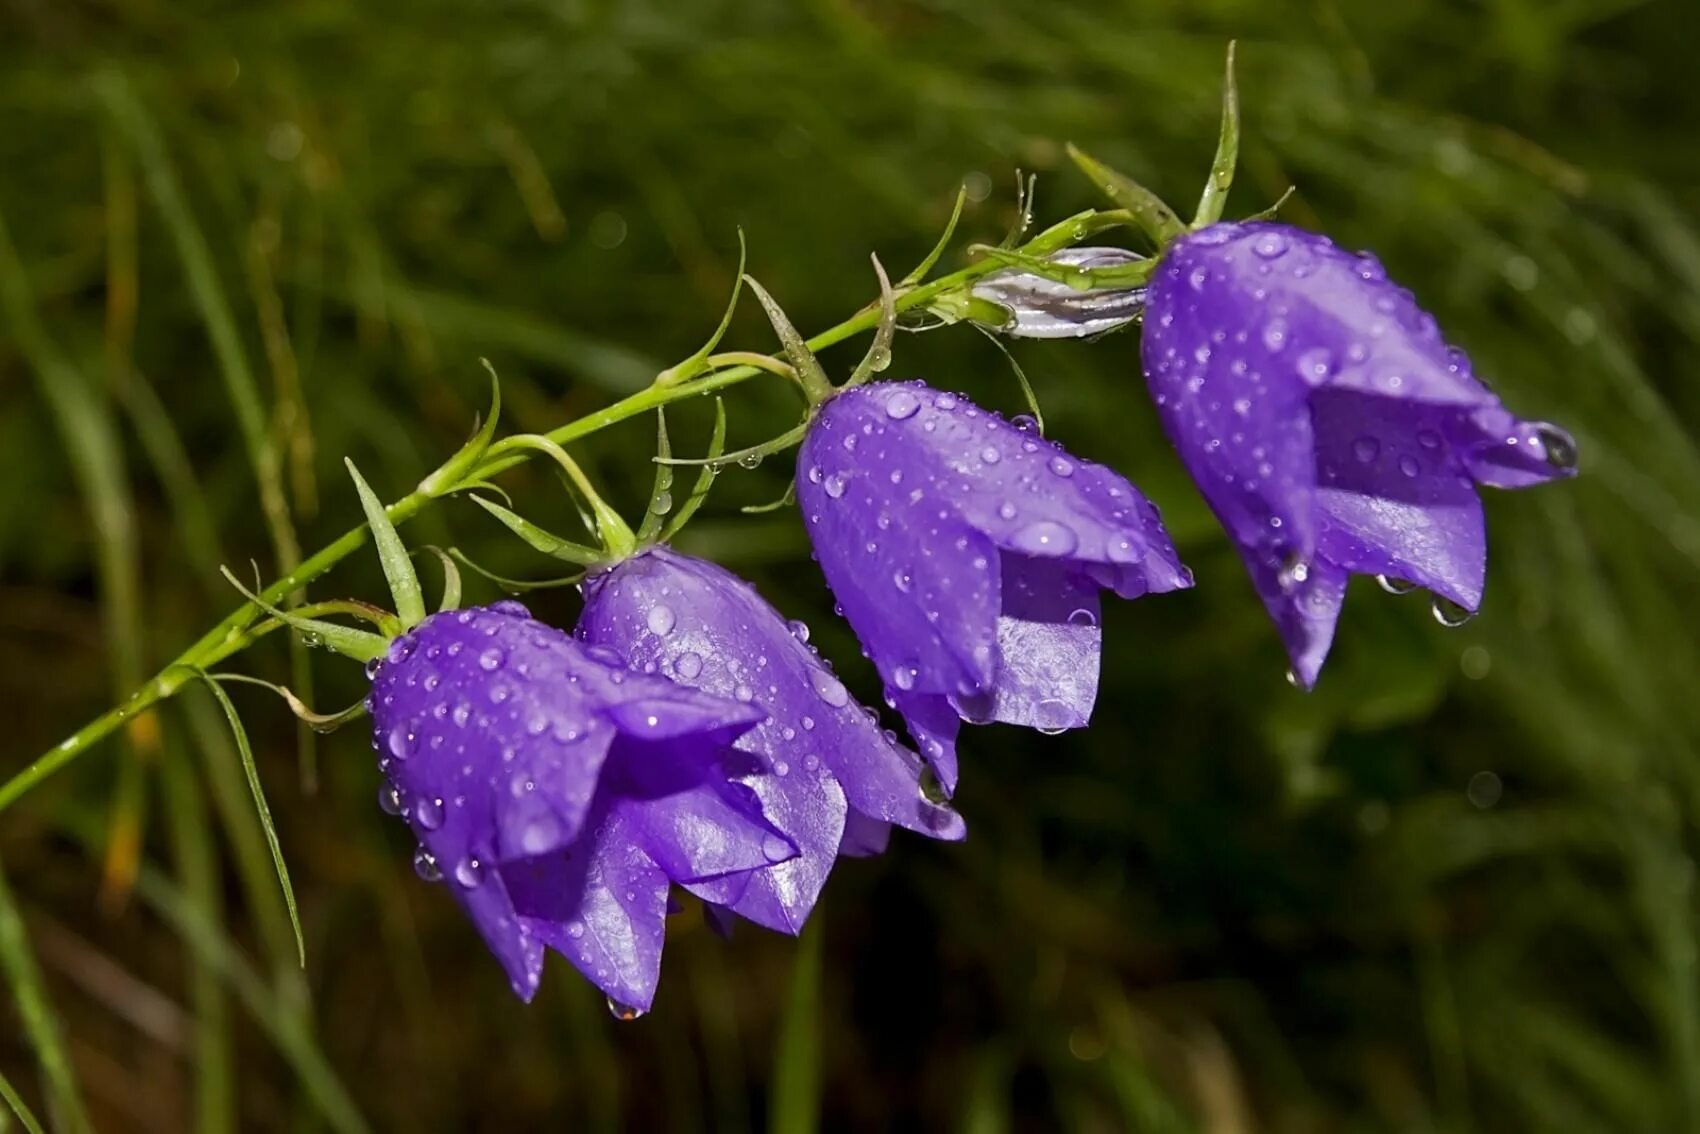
[252,240]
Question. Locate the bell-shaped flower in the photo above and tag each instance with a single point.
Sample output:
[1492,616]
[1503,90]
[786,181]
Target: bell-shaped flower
[967,553]
[825,773]
[558,795]
[1329,425]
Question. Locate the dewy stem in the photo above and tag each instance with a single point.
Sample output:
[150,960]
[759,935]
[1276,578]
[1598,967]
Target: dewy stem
[228,636]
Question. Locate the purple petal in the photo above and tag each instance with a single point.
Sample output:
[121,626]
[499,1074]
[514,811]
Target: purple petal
[1050,641]
[603,905]
[814,755]
[934,721]
[1305,606]
[864,837]
[705,833]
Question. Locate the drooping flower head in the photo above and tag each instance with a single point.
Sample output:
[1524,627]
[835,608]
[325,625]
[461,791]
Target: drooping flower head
[558,795]
[824,772]
[967,553]
[1330,426]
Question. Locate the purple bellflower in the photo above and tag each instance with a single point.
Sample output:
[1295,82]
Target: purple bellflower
[825,773]
[1331,428]
[558,795]
[967,553]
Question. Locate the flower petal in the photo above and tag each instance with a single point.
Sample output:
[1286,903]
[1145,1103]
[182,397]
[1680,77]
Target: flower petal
[706,832]
[1305,605]
[602,904]
[1050,641]
[1394,499]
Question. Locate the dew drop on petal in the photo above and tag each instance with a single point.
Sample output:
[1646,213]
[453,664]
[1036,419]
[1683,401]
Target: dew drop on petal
[1082,617]
[389,799]
[425,865]
[575,929]
[1006,511]
[1366,449]
[1450,614]
[1395,586]
[1046,537]
[623,1012]
[1559,446]
[1025,423]
[540,835]
[830,689]
[1275,334]
[1062,466]
[661,620]
[990,455]
[469,872]
[1270,246]
[904,678]
[1409,466]
[799,629]
[775,849]
[429,813]
[902,405]
[834,486]
[1053,716]
[688,665]
[902,580]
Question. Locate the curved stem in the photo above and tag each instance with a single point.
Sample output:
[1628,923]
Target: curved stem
[231,634]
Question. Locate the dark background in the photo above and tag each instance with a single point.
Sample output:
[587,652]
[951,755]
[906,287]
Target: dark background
[1451,890]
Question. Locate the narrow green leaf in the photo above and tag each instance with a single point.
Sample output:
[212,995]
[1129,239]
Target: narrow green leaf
[809,373]
[795,1099]
[361,645]
[1153,217]
[609,527]
[919,272]
[451,578]
[1025,190]
[447,477]
[1020,376]
[705,478]
[1221,178]
[788,498]
[878,356]
[318,722]
[398,566]
[19,1107]
[690,366]
[661,494]
[261,810]
[546,542]
[17,963]
[515,586]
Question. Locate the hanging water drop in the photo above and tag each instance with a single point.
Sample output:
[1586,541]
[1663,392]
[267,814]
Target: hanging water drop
[624,1012]
[425,865]
[1451,614]
[1394,585]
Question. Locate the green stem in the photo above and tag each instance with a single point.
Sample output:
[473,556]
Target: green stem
[229,636]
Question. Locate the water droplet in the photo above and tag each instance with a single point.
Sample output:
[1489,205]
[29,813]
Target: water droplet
[799,630]
[1450,614]
[808,724]
[1366,449]
[623,1011]
[491,659]
[1293,679]
[425,865]
[1046,537]
[749,461]
[661,620]
[400,742]
[990,455]
[902,405]
[904,677]
[469,872]
[1082,617]
[744,693]
[902,580]
[389,799]
[1316,364]
[540,835]
[834,486]
[429,813]
[1559,446]
[946,402]
[830,689]
[372,667]
[688,665]
[1409,465]
[1054,716]
[775,849]
[1025,423]
[1395,586]
[1006,511]
[575,929]
[1270,246]
[1062,466]
[662,504]
[1275,334]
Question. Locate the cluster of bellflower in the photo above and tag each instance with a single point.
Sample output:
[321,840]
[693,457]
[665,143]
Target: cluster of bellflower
[685,734]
